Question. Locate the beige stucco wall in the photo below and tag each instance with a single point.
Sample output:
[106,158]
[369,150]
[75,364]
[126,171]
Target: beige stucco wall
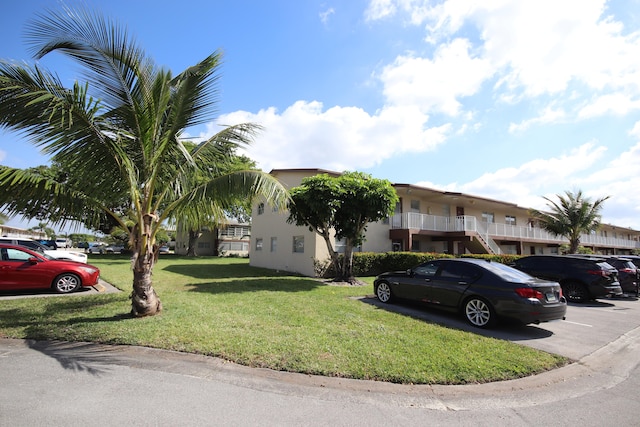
[272,224]
[377,239]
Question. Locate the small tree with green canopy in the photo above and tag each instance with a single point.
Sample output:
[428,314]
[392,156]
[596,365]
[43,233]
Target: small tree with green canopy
[573,215]
[120,133]
[343,205]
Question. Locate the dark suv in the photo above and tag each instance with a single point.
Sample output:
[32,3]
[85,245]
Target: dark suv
[581,278]
[628,273]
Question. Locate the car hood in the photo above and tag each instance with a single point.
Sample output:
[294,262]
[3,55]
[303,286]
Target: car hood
[393,273]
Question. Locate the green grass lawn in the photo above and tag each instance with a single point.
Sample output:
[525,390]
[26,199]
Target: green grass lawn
[223,307]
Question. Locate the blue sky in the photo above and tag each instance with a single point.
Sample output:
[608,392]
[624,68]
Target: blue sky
[506,99]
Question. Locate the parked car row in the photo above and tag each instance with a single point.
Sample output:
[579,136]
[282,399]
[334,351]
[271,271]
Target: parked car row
[581,278]
[534,289]
[39,247]
[23,268]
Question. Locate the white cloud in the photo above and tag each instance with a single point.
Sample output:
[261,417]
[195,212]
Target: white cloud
[537,48]
[548,115]
[339,138]
[324,16]
[435,85]
[616,103]
[3,155]
[526,184]
[379,9]
[617,180]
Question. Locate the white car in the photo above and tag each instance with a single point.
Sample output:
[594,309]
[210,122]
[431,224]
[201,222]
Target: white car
[63,243]
[39,247]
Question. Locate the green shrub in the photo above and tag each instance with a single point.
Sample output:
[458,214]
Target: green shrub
[374,263]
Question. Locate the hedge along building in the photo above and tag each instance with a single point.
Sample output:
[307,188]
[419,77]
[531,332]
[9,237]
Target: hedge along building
[425,220]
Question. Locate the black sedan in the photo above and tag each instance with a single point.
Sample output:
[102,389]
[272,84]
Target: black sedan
[482,290]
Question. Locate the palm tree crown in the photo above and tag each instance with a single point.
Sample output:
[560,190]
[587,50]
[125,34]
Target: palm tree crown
[571,216]
[119,135]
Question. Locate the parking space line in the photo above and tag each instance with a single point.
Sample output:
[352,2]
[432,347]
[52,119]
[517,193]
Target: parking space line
[579,324]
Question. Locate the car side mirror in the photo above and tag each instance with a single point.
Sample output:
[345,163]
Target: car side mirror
[33,260]
[409,272]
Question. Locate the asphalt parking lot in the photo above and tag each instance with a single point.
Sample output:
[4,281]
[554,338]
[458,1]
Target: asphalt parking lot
[101,287]
[588,326]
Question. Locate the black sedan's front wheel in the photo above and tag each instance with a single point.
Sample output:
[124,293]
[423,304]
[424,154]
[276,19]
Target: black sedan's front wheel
[383,292]
[479,313]
[66,283]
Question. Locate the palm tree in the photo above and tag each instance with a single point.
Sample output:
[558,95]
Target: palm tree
[572,216]
[120,132]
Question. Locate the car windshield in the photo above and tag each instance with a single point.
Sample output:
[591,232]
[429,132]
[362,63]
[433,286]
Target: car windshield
[507,273]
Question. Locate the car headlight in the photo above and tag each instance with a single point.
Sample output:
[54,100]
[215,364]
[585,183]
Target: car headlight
[89,270]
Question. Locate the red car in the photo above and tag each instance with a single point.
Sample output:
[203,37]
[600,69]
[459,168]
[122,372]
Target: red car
[22,268]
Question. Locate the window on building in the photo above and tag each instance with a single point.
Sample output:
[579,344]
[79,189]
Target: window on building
[274,244]
[258,244]
[340,245]
[260,208]
[204,245]
[415,245]
[298,244]
[415,206]
[234,246]
[510,220]
[488,217]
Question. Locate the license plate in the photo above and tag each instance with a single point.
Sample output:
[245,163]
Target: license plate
[551,297]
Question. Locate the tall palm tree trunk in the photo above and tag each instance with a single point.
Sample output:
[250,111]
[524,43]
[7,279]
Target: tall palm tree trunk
[194,235]
[144,300]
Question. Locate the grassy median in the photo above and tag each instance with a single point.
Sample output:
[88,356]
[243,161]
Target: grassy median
[223,307]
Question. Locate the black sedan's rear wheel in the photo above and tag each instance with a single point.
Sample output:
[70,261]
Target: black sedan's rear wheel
[479,312]
[66,282]
[575,292]
[383,292]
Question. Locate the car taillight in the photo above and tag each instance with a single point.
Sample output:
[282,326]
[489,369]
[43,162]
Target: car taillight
[528,293]
[603,273]
[628,270]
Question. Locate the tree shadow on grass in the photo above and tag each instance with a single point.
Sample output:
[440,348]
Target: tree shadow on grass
[273,284]
[222,271]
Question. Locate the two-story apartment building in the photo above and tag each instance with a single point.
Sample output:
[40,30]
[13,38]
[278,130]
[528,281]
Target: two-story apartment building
[20,233]
[425,220]
[229,239]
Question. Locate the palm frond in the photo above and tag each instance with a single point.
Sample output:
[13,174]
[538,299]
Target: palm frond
[42,197]
[114,64]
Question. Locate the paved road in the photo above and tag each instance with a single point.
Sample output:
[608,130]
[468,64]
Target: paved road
[79,384]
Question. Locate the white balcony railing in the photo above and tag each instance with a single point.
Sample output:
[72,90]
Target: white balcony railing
[491,231]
